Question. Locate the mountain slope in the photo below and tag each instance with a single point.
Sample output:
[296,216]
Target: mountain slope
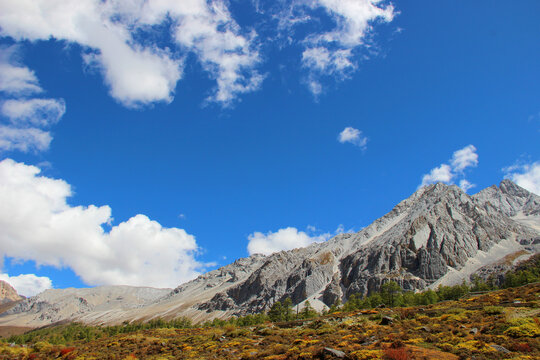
[438,235]
[8,293]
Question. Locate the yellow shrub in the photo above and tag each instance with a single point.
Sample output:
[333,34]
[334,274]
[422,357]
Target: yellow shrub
[367,354]
[42,346]
[523,327]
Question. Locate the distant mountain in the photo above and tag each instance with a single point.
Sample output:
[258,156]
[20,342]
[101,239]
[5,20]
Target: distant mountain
[439,235]
[8,293]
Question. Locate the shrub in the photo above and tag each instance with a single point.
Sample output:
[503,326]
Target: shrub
[522,347]
[42,346]
[494,310]
[397,354]
[523,328]
[66,351]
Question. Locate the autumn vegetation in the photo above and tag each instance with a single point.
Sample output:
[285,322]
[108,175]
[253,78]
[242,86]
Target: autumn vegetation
[457,322]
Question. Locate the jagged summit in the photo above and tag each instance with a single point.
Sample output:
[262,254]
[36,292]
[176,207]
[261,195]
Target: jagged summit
[510,199]
[439,235]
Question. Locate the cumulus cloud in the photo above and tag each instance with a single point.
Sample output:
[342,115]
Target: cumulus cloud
[527,176]
[442,173]
[39,225]
[140,73]
[464,158]
[119,38]
[461,160]
[28,284]
[283,239]
[353,136]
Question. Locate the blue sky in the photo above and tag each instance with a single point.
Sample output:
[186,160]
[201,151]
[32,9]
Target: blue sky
[245,126]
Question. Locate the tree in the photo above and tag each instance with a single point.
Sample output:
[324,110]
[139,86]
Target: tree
[287,309]
[276,312]
[335,307]
[307,311]
[389,291]
[429,297]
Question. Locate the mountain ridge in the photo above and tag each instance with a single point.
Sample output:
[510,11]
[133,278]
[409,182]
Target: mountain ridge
[438,235]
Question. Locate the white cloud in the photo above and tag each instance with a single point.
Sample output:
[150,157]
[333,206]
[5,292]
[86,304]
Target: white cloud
[466,185]
[442,173]
[39,225]
[461,159]
[353,136]
[283,239]
[38,112]
[27,117]
[140,74]
[332,52]
[24,139]
[464,158]
[527,176]
[28,284]
[16,79]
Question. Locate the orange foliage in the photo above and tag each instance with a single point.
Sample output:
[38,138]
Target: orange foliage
[397,354]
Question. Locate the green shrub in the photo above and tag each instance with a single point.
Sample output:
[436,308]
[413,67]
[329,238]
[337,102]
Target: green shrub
[494,310]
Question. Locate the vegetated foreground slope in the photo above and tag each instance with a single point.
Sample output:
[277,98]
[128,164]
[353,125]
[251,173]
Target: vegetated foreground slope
[501,324]
[439,235]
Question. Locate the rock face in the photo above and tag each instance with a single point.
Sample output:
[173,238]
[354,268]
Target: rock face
[439,235]
[8,293]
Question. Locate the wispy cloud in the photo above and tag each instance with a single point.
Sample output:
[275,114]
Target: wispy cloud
[14,78]
[333,51]
[25,119]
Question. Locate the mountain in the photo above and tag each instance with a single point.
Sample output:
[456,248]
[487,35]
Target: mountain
[439,235]
[8,293]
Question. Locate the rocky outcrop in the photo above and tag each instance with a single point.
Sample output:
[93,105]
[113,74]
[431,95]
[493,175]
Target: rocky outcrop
[8,293]
[435,233]
[509,199]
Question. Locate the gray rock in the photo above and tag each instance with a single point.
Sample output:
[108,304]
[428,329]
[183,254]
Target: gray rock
[501,349]
[386,320]
[328,353]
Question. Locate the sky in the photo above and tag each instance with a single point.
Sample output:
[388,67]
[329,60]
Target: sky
[144,142]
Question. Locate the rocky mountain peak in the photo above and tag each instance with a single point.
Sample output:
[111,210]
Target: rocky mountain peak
[509,199]
[438,235]
[508,187]
[8,293]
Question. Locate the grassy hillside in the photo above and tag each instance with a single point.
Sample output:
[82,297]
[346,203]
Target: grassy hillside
[502,324]
[452,322]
